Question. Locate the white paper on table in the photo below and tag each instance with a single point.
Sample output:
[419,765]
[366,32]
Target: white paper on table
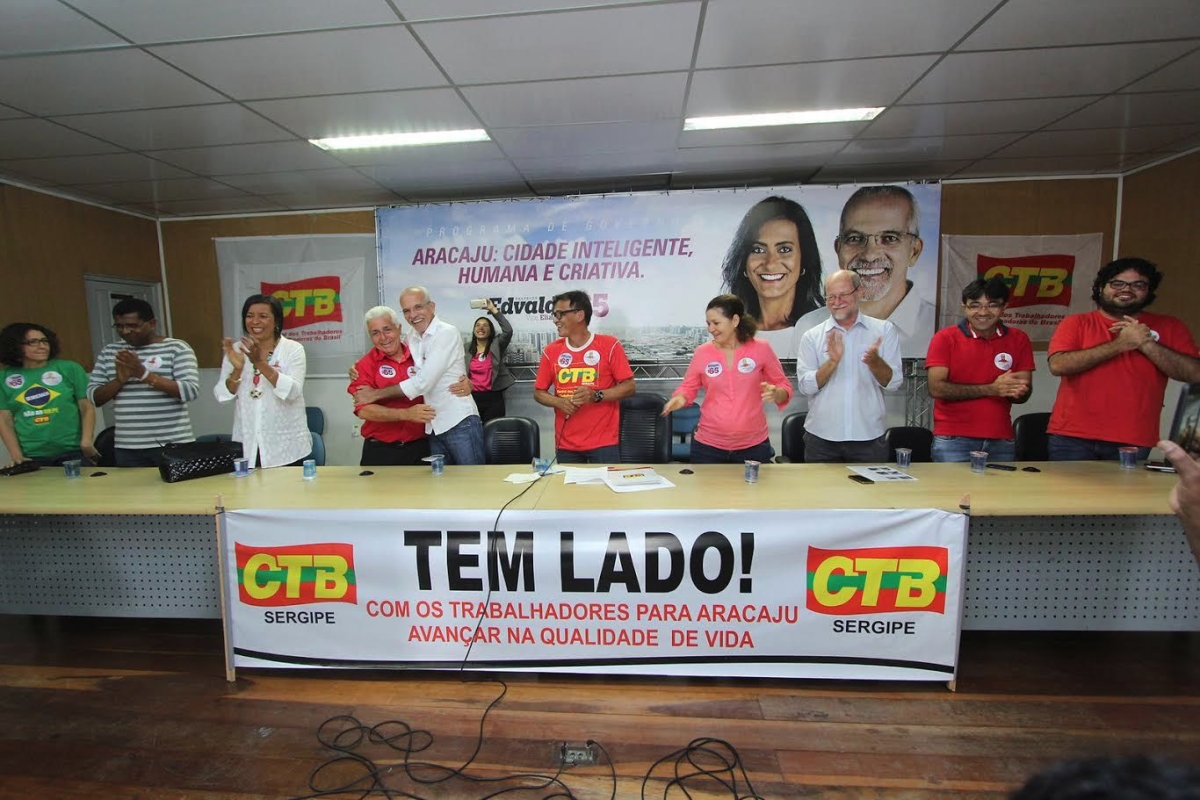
[882,474]
[662,483]
[585,475]
[522,477]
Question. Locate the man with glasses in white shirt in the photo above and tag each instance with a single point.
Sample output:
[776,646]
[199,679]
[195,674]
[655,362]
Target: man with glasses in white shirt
[977,369]
[844,366]
[1114,363]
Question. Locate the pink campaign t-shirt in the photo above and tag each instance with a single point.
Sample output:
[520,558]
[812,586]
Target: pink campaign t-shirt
[480,373]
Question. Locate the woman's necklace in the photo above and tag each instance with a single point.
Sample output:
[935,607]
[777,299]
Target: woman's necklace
[255,391]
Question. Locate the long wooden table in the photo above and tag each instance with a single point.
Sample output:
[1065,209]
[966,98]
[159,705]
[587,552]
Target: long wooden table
[1081,545]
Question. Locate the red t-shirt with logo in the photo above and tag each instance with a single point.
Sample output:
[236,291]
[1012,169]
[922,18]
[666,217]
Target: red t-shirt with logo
[1120,400]
[970,359]
[600,364]
[379,371]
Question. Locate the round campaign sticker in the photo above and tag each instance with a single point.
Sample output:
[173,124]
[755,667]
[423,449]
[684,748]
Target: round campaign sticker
[1003,361]
[591,358]
[387,371]
[712,369]
[51,378]
[152,363]
[746,365]
[14,381]
[37,396]
[412,372]
[565,359]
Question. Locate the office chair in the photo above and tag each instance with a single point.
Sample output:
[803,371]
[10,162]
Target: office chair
[511,440]
[106,443]
[919,440]
[792,439]
[683,426]
[318,451]
[645,433]
[214,437]
[1030,437]
[316,419]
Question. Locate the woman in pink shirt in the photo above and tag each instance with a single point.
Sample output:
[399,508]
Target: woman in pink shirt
[737,373]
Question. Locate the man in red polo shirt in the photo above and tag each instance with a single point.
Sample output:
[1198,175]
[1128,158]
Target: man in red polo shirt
[1114,363]
[977,369]
[393,428]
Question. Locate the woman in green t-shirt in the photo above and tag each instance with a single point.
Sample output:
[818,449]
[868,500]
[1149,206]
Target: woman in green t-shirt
[45,414]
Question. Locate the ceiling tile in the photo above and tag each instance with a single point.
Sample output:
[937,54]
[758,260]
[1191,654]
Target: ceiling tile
[889,173]
[1168,108]
[556,141]
[149,192]
[834,84]
[447,158]
[270,183]
[332,197]
[94,169]
[1059,165]
[1041,73]
[148,20]
[1181,74]
[628,99]
[952,119]
[32,25]
[924,148]
[779,157]
[683,181]
[111,80]
[649,38]
[216,206]
[579,186]
[1037,23]
[307,63]
[596,166]
[414,10]
[783,31]
[498,191]
[11,113]
[377,112]
[1097,141]
[189,126]
[775,134]
[34,138]
[247,158]
[426,175]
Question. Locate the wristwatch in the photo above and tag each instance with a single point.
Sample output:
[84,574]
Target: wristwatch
[599,396]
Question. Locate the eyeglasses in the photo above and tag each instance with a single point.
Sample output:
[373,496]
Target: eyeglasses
[560,314]
[1137,286]
[981,306]
[837,298]
[35,342]
[857,240]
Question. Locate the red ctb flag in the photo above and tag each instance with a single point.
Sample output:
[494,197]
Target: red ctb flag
[311,301]
[296,574]
[1043,279]
[877,580]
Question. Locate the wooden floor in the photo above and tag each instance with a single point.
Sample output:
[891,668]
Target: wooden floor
[97,708]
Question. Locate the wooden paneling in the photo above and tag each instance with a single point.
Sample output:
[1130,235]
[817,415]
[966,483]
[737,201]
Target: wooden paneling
[1158,220]
[49,244]
[191,266]
[1031,208]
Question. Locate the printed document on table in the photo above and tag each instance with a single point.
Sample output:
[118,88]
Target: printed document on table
[635,479]
[585,475]
[881,474]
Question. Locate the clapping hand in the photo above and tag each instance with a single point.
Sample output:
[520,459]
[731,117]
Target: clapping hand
[128,365]
[236,357]
[871,356]
[834,346]
[1130,333]
[772,393]
[1011,385]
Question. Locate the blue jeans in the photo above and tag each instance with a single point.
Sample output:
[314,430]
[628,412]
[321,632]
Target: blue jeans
[706,454]
[958,448]
[609,454]
[823,451]
[1072,448]
[462,444]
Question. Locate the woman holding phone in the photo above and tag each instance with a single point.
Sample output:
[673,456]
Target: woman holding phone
[489,375]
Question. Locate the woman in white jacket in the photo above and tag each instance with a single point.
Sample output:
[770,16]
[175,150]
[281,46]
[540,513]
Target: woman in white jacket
[264,373]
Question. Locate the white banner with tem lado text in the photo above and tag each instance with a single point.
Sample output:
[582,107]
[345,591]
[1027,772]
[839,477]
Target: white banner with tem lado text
[873,594]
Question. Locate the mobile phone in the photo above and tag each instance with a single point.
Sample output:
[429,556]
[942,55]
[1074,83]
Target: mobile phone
[1159,466]
[1185,429]
[1005,467]
[860,479]
[480,303]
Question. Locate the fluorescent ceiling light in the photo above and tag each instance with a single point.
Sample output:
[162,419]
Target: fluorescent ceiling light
[784,118]
[402,139]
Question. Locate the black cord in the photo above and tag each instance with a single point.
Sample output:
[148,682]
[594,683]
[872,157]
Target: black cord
[695,763]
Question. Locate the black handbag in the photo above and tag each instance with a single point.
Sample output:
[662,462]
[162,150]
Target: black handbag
[182,461]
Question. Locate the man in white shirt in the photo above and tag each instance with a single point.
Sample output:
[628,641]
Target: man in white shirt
[844,366]
[436,346]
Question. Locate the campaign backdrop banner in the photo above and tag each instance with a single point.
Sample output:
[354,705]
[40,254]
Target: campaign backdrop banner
[805,594]
[1048,277]
[650,263]
[325,283]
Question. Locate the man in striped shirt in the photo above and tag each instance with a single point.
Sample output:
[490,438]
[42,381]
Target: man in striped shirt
[150,377]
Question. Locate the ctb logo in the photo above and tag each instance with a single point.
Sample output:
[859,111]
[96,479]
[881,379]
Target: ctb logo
[877,580]
[296,575]
[1032,280]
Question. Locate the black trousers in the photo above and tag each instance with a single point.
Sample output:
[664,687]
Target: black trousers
[393,454]
[490,404]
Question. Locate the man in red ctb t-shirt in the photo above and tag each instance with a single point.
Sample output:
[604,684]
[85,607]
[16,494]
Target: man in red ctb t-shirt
[977,369]
[589,374]
[1114,363]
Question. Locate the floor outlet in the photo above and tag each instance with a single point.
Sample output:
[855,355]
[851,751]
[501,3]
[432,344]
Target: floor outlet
[576,755]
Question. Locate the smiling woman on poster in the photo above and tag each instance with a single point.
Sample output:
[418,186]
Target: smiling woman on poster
[774,266]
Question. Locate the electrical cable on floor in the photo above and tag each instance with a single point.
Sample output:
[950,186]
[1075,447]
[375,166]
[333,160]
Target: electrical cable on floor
[689,769]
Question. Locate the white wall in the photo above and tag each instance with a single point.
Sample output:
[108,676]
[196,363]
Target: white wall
[343,447]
